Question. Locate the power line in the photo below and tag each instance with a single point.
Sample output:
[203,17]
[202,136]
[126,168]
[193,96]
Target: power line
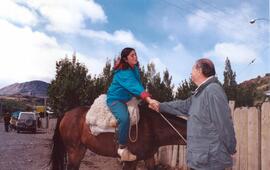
[189,10]
[171,4]
[181,8]
[214,7]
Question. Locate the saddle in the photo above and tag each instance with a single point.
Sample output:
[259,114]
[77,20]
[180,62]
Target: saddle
[100,119]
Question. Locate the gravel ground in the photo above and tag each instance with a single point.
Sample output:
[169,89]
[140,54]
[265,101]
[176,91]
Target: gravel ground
[26,151]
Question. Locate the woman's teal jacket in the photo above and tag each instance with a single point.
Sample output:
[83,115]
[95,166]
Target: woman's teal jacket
[126,83]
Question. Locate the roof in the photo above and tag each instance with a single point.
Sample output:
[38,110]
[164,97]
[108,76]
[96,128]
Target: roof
[267,93]
[15,114]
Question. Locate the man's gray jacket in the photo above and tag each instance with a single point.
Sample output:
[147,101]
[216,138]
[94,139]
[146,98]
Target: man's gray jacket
[210,133]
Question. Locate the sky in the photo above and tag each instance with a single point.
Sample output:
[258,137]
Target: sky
[172,34]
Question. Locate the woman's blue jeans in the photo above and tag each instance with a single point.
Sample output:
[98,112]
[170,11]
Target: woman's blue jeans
[120,111]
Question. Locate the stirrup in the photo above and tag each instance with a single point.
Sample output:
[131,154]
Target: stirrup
[126,155]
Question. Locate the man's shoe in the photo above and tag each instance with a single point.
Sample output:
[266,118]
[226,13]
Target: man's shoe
[126,155]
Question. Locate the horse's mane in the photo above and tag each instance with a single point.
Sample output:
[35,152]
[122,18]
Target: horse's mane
[145,110]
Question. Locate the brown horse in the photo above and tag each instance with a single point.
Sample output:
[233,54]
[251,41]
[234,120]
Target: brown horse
[72,137]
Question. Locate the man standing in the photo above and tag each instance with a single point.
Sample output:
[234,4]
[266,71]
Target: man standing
[6,121]
[210,134]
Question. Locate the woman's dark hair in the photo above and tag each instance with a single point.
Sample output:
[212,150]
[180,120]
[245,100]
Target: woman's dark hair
[122,64]
[207,66]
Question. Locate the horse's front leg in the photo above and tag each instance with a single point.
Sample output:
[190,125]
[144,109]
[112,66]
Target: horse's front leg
[130,165]
[150,163]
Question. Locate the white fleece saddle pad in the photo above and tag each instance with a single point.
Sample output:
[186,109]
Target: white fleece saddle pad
[100,118]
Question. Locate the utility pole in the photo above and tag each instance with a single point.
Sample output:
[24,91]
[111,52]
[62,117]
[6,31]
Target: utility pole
[45,112]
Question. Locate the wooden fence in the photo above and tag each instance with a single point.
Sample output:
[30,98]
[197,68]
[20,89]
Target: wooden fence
[252,128]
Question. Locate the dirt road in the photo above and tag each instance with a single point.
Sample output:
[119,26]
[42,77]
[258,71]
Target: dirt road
[26,151]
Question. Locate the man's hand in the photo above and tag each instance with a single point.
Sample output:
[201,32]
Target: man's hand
[154,104]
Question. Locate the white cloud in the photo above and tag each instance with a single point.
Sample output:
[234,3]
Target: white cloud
[18,14]
[67,15]
[171,38]
[237,53]
[159,65]
[118,37]
[70,16]
[180,48]
[199,21]
[178,61]
[93,64]
[28,54]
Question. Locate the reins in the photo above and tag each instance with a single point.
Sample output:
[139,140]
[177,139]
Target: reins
[130,126]
[179,134]
[136,136]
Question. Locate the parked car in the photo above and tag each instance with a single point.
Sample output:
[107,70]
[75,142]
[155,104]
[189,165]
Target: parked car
[27,121]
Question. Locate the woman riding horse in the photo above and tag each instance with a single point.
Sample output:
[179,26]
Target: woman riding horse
[72,135]
[125,84]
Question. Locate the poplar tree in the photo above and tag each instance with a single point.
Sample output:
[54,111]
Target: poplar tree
[229,85]
[167,87]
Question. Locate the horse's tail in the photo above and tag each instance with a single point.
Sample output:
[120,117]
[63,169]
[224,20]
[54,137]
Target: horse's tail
[58,154]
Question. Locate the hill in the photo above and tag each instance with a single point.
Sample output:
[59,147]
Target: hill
[34,88]
[261,83]
[254,91]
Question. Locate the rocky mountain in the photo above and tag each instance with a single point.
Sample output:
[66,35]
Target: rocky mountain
[34,88]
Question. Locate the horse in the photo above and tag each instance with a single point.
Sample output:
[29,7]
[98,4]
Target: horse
[72,137]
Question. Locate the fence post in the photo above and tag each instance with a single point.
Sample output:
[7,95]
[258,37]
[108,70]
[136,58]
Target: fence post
[236,119]
[265,136]
[232,105]
[244,139]
[240,124]
[174,156]
[162,156]
[253,139]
